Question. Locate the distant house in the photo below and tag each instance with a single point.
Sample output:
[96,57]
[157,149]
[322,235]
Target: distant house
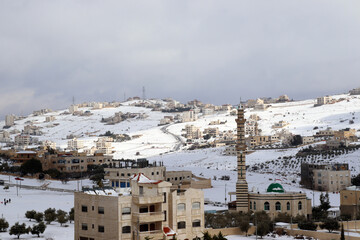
[355,91]
[323,100]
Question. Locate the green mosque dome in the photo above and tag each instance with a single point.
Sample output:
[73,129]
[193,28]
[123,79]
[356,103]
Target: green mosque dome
[275,187]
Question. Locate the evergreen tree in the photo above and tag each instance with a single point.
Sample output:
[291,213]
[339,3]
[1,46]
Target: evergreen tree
[30,214]
[50,215]
[38,229]
[330,224]
[245,226]
[31,166]
[3,225]
[18,229]
[39,216]
[61,217]
[207,236]
[263,228]
[71,214]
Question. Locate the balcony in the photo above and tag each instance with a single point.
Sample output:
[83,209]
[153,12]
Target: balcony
[150,217]
[156,234]
[144,199]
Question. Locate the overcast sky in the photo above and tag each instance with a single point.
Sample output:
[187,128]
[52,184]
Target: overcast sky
[215,51]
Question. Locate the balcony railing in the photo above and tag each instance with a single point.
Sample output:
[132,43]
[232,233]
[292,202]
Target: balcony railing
[150,217]
[145,199]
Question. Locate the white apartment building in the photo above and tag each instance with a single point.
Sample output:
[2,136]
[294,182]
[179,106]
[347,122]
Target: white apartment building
[75,144]
[189,116]
[323,100]
[9,120]
[49,118]
[22,140]
[4,136]
[73,108]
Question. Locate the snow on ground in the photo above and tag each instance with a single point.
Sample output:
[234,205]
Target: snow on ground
[210,163]
[39,200]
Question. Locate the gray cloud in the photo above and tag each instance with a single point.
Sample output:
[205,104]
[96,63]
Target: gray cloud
[215,51]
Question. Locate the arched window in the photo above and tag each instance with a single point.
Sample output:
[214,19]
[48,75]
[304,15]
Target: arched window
[196,205]
[300,205]
[266,206]
[250,205]
[278,206]
[288,206]
[181,207]
[254,205]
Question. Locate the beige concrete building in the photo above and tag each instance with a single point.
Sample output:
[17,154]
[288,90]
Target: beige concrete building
[150,209]
[192,132]
[350,201]
[308,139]
[331,179]
[326,177]
[74,163]
[75,144]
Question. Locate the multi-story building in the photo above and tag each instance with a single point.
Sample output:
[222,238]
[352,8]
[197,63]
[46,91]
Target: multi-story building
[212,132]
[75,144]
[49,118]
[148,209]
[120,171]
[192,132]
[4,136]
[326,177]
[350,201]
[308,139]
[355,91]
[74,163]
[189,116]
[251,128]
[32,130]
[280,124]
[9,120]
[104,145]
[323,100]
[73,109]
[346,134]
[22,140]
[325,133]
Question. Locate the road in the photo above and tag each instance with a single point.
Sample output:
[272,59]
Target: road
[179,140]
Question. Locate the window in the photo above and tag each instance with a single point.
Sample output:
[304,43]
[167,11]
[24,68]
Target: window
[157,173]
[288,206]
[144,228]
[319,181]
[152,173]
[92,208]
[196,205]
[300,205]
[164,197]
[126,211]
[266,206]
[181,225]
[84,226]
[196,223]
[101,229]
[278,206]
[181,207]
[83,208]
[168,179]
[254,205]
[250,205]
[143,210]
[141,190]
[101,210]
[122,175]
[126,229]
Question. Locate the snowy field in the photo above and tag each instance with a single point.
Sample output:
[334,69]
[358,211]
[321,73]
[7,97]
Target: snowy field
[157,145]
[24,200]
